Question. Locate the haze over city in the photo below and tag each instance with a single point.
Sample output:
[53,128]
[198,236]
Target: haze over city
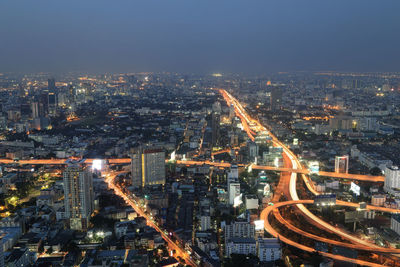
[203,37]
[203,134]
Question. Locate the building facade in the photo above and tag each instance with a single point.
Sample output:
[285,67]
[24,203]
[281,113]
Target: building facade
[78,195]
[148,167]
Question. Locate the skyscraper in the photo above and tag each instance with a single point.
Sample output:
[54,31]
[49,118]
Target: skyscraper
[148,167]
[51,84]
[276,98]
[78,195]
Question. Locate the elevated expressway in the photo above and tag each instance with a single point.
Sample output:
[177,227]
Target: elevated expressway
[287,187]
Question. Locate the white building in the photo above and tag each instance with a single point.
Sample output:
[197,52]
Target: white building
[205,222]
[395,223]
[78,195]
[242,229]
[233,192]
[233,175]
[269,249]
[251,202]
[392,179]
[241,246]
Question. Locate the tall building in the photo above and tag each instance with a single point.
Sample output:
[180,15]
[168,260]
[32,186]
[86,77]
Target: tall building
[78,195]
[148,167]
[51,84]
[215,121]
[276,98]
[342,164]
[392,179]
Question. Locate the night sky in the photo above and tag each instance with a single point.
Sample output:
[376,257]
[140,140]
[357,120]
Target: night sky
[205,36]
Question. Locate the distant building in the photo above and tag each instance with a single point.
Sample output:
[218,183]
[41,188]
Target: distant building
[342,164]
[78,195]
[148,167]
[276,98]
[392,179]
[269,249]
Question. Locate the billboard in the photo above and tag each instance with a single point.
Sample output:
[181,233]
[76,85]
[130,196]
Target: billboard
[355,189]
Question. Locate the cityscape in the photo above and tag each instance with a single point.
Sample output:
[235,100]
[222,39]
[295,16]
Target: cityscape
[196,167]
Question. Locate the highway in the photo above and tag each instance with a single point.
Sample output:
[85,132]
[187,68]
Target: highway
[116,161]
[266,212]
[180,252]
[291,163]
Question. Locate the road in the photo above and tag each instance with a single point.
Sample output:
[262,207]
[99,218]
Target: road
[266,212]
[180,252]
[291,162]
[114,161]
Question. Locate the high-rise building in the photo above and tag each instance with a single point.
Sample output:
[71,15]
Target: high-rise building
[215,121]
[78,195]
[276,98]
[342,164]
[148,167]
[392,179]
[51,84]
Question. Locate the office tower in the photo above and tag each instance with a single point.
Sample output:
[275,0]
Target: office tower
[392,179]
[51,84]
[276,98]
[342,164]
[148,167]
[215,121]
[78,195]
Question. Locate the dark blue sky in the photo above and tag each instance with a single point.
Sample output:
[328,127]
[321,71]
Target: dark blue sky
[199,36]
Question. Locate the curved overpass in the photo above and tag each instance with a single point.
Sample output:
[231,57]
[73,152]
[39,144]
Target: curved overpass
[266,212]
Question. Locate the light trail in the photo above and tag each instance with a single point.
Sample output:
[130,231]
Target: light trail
[296,165]
[180,252]
[265,214]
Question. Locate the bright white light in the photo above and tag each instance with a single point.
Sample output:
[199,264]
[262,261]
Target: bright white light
[355,189]
[97,164]
[276,162]
[238,201]
[259,224]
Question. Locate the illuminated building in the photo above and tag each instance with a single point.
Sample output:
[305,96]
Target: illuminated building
[78,195]
[148,167]
[342,164]
[392,179]
[276,98]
